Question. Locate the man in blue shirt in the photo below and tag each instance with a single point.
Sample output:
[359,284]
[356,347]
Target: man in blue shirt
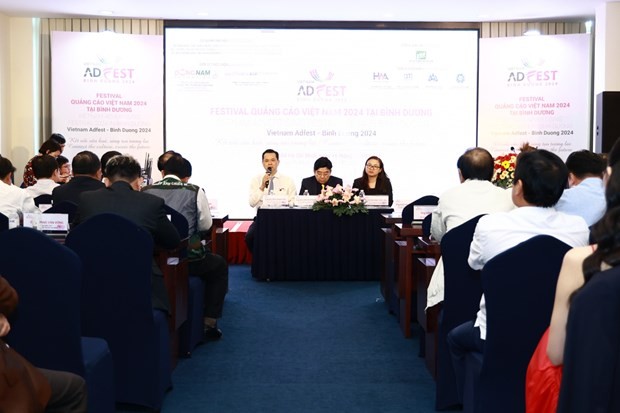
[585,196]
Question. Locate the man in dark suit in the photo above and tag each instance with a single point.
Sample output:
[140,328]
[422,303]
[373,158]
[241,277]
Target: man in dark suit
[86,177]
[321,179]
[123,197]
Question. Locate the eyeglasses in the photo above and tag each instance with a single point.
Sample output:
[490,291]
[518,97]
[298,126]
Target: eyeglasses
[322,173]
[369,166]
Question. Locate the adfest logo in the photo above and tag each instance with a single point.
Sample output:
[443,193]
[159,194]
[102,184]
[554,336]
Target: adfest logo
[108,69]
[532,71]
[321,87]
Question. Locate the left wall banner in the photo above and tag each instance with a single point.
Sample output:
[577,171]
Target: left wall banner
[107,93]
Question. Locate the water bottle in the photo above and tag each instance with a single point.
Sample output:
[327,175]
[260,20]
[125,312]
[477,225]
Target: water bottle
[306,193]
[362,194]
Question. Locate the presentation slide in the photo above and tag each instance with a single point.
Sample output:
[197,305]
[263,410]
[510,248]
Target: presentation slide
[406,96]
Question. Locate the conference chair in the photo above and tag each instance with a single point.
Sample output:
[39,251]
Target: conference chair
[591,372]
[4,222]
[64,207]
[519,290]
[192,331]
[46,327]
[407,213]
[462,292]
[116,305]
[45,199]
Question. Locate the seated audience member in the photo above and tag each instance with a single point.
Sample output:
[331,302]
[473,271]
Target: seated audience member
[374,180]
[59,139]
[191,201]
[586,195]
[322,178]
[269,181]
[49,147]
[12,198]
[104,161]
[64,169]
[52,390]
[45,169]
[544,372]
[540,177]
[123,197]
[475,195]
[86,177]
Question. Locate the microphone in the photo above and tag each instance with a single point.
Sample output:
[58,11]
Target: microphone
[268,174]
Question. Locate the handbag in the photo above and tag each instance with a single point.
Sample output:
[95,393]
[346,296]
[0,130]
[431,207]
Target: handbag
[23,388]
[542,381]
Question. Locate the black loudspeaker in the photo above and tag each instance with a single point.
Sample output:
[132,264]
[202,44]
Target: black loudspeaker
[607,121]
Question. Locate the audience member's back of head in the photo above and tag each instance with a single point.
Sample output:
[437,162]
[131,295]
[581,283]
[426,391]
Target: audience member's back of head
[186,172]
[543,176]
[163,158]
[6,167]
[123,168]
[106,157]
[585,163]
[44,166]
[476,163]
[58,138]
[174,166]
[613,156]
[85,163]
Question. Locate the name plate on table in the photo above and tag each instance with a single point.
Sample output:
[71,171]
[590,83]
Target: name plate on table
[421,211]
[275,201]
[305,201]
[47,222]
[376,200]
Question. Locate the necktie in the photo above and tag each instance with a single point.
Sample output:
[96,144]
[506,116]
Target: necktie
[322,187]
[271,188]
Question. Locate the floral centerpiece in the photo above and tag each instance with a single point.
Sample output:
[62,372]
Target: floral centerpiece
[341,200]
[504,170]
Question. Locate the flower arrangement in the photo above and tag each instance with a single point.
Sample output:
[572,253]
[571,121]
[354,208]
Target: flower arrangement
[504,170]
[341,200]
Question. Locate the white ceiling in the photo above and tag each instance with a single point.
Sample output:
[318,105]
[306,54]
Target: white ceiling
[346,10]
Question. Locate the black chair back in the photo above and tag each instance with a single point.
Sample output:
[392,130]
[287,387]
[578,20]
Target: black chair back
[591,372]
[4,222]
[407,214]
[64,207]
[117,256]
[519,290]
[462,292]
[43,199]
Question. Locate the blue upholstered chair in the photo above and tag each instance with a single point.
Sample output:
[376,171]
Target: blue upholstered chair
[519,289]
[192,331]
[64,207]
[407,214]
[43,199]
[591,372]
[46,327]
[116,305]
[462,292]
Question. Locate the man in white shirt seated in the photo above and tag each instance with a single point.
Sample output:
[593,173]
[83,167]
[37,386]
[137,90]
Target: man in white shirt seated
[45,169]
[12,198]
[271,181]
[539,181]
[475,195]
[586,194]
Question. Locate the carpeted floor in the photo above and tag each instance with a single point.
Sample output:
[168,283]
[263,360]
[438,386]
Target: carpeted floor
[303,347]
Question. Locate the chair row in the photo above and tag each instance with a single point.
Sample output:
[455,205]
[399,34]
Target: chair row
[85,307]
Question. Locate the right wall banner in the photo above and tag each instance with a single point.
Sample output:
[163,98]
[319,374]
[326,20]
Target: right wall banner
[535,89]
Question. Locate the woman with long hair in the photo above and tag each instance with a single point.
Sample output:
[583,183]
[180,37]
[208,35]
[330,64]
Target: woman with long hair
[374,180]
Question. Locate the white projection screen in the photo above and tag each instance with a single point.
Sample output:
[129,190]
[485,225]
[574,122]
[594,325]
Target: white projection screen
[408,96]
